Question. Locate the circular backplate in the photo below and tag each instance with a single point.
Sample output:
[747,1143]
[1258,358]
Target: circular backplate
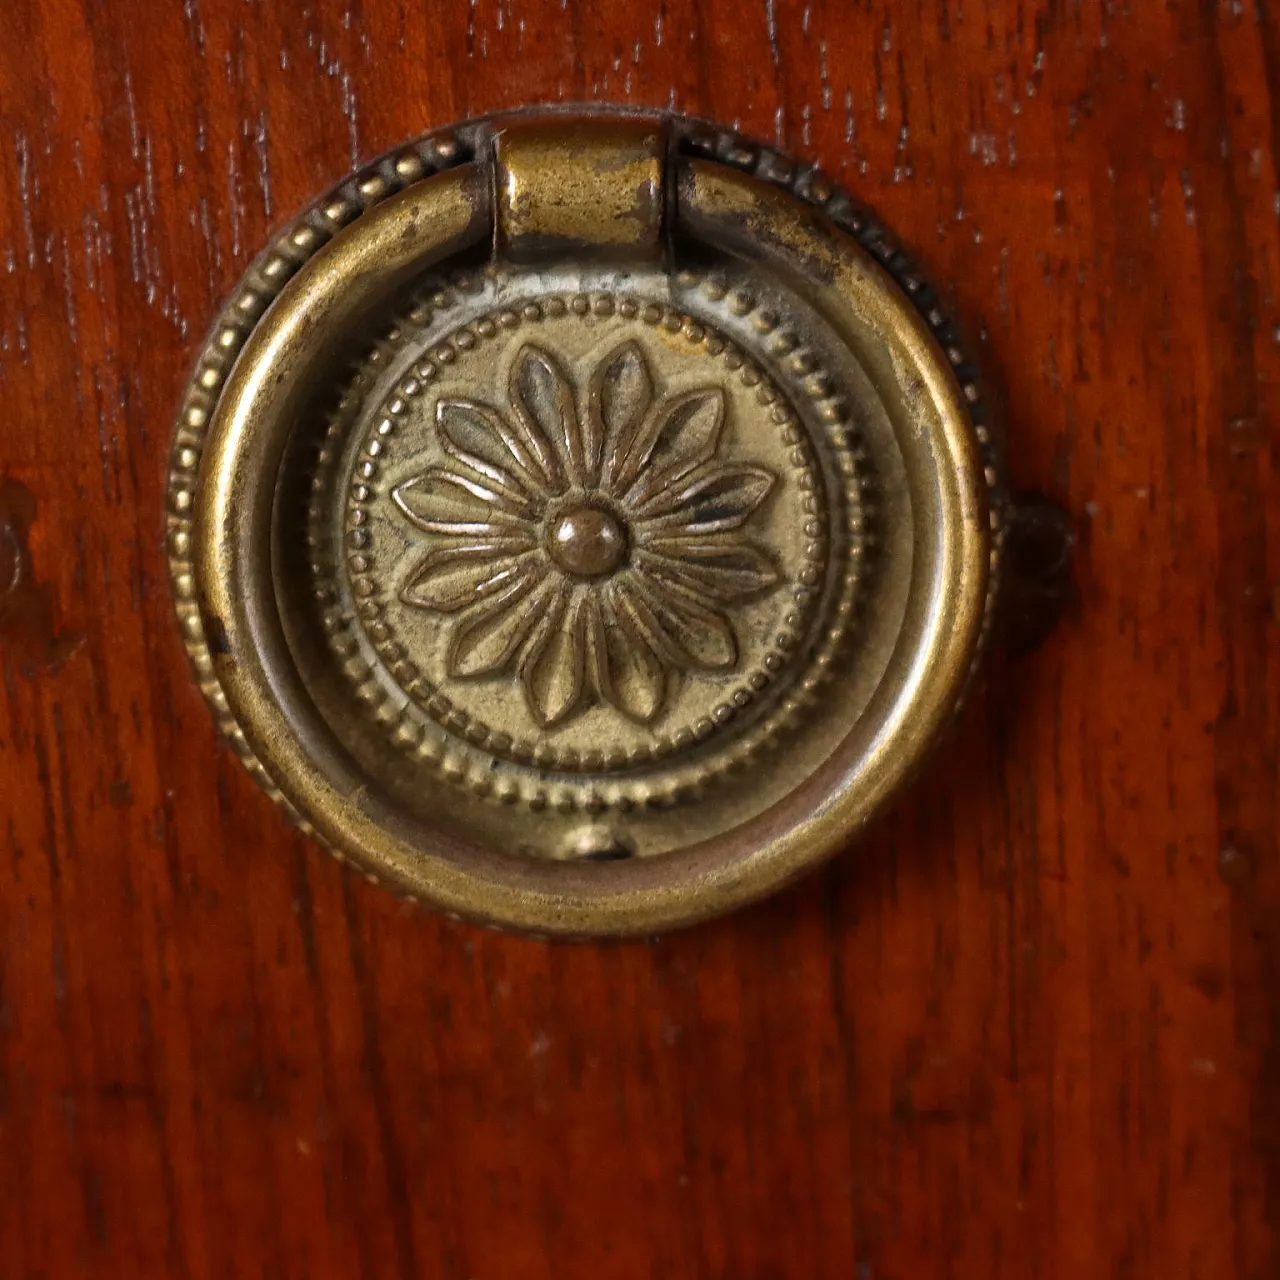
[576,581]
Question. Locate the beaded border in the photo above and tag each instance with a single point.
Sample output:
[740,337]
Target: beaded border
[455,752]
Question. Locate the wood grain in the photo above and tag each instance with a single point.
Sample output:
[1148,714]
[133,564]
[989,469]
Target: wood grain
[1031,1028]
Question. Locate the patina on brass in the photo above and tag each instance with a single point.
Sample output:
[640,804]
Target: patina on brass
[587,187]
[584,524]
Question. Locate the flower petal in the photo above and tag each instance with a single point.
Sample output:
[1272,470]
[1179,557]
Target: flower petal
[489,635]
[627,673]
[450,578]
[685,632]
[722,571]
[442,501]
[477,436]
[554,664]
[543,400]
[621,391]
[722,498]
[689,437]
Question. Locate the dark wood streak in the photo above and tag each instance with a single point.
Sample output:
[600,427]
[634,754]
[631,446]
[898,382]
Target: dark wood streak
[396,1188]
[1028,1028]
[1245,737]
[27,624]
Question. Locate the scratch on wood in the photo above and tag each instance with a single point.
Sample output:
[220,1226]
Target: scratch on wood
[264,162]
[25,197]
[350,111]
[771,26]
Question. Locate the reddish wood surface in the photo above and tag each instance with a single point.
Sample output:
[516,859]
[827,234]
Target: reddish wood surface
[1030,1029]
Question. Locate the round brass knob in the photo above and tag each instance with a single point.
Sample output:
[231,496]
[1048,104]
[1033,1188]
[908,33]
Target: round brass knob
[583,523]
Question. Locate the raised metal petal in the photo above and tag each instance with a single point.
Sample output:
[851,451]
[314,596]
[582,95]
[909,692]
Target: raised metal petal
[688,438]
[443,501]
[476,435]
[451,578]
[627,673]
[701,635]
[489,636]
[552,671]
[723,571]
[543,399]
[711,501]
[620,395]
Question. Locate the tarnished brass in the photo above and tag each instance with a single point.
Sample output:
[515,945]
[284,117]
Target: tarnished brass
[579,186]
[584,524]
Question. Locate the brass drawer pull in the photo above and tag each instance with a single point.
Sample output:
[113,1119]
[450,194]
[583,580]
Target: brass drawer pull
[577,526]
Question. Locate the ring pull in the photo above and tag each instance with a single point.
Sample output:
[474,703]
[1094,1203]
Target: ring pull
[585,523]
